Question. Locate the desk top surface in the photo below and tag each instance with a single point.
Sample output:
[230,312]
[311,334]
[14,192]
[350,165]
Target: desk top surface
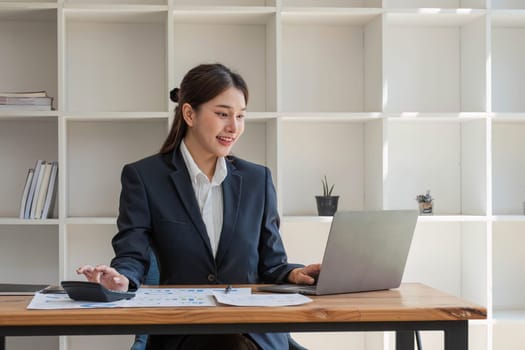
[410,302]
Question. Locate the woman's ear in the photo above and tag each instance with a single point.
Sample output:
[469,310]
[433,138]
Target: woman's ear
[188,114]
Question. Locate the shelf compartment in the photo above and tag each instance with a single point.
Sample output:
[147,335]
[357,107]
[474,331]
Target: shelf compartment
[446,4]
[478,335]
[460,249]
[305,241]
[333,3]
[87,244]
[100,342]
[509,316]
[36,262]
[225,3]
[508,52]
[239,15]
[116,13]
[106,146]
[116,2]
[508,266]
[28,37]
[258,144]
[339,16]
[244,40]
[314,81]
[508,167]
[435,62]
[507,4]
[446,157]
[37,342]
[508,335]
[116,60]
[310,150]
[22,143]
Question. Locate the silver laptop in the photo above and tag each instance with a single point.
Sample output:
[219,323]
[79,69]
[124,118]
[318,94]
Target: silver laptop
[366,251]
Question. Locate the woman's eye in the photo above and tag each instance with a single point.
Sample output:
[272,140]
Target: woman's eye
[222,114]
[240,116]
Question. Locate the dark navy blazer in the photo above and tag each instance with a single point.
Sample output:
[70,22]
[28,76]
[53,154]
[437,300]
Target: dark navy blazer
[158,207]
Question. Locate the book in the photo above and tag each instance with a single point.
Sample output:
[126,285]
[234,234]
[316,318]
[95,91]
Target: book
[25,193]
[34,101]
[42,191]
[31,194]
[38,183]
[51,192]
[25,101]
[24,94]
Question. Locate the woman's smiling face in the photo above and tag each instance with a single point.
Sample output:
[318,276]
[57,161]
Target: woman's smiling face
[216,125]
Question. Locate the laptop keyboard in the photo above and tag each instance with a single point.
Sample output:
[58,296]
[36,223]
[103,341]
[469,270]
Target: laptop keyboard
[289,288]
[306,289]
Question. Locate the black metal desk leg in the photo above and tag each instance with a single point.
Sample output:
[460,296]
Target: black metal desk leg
[405,340]
[2,342]
[456,336]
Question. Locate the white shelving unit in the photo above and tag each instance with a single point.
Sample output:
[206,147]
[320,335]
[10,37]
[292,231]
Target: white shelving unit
[387,98]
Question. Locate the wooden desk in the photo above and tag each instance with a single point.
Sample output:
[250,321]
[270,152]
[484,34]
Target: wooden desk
[404,310]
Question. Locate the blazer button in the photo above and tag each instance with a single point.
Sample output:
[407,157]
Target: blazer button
[211,278]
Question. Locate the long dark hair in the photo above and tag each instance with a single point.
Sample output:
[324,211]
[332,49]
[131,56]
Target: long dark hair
[201,84]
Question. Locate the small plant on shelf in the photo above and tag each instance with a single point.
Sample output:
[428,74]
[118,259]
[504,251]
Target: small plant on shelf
[426,203]
[327,204]
[327,189]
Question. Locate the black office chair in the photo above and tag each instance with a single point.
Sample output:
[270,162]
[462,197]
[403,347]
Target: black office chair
[152,278]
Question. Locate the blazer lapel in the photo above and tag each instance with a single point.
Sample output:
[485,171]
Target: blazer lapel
[182,182]
[231,192]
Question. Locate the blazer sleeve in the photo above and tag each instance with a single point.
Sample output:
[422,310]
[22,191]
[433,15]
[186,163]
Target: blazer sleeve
[273,262]
[132,241]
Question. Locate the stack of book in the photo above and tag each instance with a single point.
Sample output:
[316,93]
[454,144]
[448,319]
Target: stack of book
[40,190]
[27,101]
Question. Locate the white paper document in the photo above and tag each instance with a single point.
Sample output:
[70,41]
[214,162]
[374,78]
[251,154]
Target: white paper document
[260,299]
[144,297]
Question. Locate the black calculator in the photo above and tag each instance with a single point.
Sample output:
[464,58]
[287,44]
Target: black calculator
[91,291]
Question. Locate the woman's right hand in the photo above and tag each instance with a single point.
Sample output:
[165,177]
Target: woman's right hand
[105,275]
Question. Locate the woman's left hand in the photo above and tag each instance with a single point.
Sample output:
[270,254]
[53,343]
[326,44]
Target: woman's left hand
[305,275]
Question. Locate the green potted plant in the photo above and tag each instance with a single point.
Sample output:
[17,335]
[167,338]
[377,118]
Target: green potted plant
[426,203]
[326,204]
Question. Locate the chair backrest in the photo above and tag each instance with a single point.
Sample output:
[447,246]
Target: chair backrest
[153,275]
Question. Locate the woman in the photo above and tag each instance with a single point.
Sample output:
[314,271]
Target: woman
[209,217]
